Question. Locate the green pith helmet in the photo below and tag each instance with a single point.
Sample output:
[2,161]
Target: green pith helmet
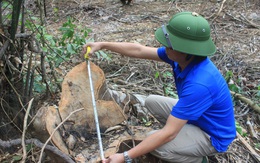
[187,32]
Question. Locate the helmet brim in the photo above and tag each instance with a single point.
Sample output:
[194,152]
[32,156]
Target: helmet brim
[194,47]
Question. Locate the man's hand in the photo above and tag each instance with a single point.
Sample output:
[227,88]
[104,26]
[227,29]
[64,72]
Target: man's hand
[95,46]
[116,158]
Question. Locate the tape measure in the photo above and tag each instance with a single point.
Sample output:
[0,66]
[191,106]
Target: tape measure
[87,52]
[94,104]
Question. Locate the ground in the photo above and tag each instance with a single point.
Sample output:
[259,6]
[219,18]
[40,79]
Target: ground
[235,30]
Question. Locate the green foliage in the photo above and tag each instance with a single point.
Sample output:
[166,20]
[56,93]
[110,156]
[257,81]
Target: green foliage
[39,86]
[258,91]
[257,146]
[104,56]
[169,91]
[7,7]
[167,74]
[29,147]
[146,122]
[69,44]
[228,76]
[17,158]
[168,85]
[56,11]
[60,48]
[240,129]
[157,74]
[233,86]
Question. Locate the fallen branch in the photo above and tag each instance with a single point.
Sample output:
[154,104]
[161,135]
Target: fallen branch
[246,100]
[221,7]
[251,23]
[251,129]
[253,152]
[216,15]
[36,142]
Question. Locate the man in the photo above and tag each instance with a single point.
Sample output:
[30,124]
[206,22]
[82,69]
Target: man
[201,122]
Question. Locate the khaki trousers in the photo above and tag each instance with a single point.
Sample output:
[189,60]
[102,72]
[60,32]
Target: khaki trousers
[189,146]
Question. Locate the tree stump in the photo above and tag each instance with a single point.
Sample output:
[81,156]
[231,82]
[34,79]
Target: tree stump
[76,94]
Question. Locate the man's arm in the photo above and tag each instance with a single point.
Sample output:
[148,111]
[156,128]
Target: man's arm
[166,134]
[127,49]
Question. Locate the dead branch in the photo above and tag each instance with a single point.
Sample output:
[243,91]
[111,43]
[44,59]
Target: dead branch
[221,7]
[117,127]
[36,142]
[2,51]
[16,92]
[127,125]
[251,129]
[246,100]
[7,107]
[176,5]
[253,152]
[251,23]
[25,128]
[56,130]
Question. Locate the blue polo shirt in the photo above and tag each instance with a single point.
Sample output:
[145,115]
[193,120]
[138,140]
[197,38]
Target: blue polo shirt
[204,99]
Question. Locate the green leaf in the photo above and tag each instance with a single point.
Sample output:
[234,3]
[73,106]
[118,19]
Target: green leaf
[258,94]
[59,80]
[38,87]
[239,128]
[29,147]
[234,88]
[17,157]
[44,49]
[144,120]
[48,37]
[257,145]
[59,61]
[67,32]
[58,50]
[34,18]
[156,75]
[70,49]
[55,9]
[103,55]
[86,33]
[167,74]
[149,123]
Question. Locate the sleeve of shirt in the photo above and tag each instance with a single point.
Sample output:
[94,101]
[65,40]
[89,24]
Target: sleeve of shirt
[194,100]
[162,55]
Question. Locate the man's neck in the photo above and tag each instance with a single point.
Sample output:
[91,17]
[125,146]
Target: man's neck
[185,63]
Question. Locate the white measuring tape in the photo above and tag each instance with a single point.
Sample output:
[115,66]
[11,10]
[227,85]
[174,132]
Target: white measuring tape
[94,106]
